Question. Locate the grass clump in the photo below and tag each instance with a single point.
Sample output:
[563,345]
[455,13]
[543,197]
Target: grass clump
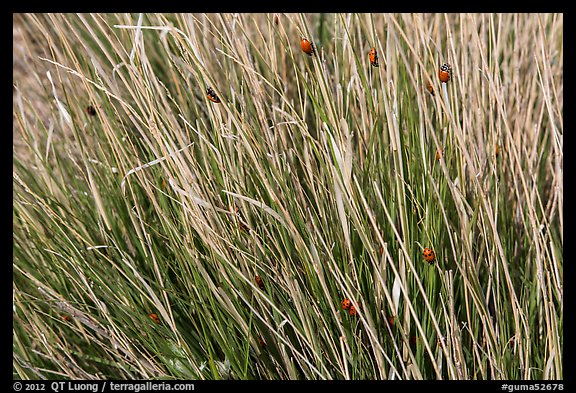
[144,211]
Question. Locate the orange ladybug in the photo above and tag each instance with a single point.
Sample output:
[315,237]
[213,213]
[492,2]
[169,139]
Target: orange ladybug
[91,110]
[259,282]
[429,255]
[445,73]
[307,46]
[353,310]
[212,95]
[373,57]
[431,89]
[346,303]
[155,318]
[390,320]
[439,153]
[67,318]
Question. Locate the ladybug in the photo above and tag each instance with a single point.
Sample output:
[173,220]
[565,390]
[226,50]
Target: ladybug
[259,282]
[67,318]
[429,255]
[390,320]
[346,303]
[307,46]
[445,73]
[91,110]
[497,150]
[430,89]
[353,310]
[373,57]
[439,154]
[381,250]
[155,318]
[212,96]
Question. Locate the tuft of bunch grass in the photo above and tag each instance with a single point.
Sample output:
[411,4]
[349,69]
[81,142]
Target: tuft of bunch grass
[161,234]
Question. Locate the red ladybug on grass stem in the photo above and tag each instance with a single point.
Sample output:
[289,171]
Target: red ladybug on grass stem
[373,57]
[429,255]
[445,73]
[307,47]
